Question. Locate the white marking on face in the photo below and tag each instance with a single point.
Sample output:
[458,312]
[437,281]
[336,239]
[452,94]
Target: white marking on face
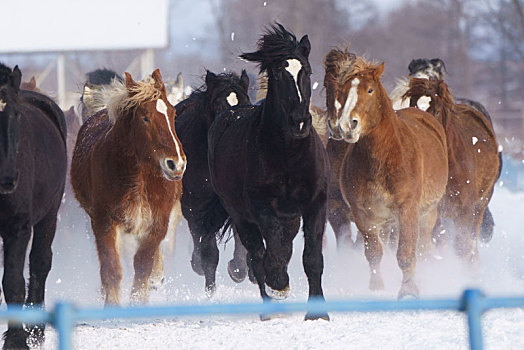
[2,105]
[293,67]
[301,125]
[351,102]
[232,99]
[337,106]
[474,140]
[162,108]
[423,103]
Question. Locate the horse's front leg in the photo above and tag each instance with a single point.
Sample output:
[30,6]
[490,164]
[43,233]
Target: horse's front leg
[407,248]
[144,260]
[16,239]
[278,253]
[39,265]
[314,218]
[105,232]
[237,267]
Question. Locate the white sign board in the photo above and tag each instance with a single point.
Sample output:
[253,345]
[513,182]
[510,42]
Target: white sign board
[78,25]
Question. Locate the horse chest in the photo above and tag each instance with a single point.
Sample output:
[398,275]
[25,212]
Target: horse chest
[137,216]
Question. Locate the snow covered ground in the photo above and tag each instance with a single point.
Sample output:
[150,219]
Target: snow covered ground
[74,277]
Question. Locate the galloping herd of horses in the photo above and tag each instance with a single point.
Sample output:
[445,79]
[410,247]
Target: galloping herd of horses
[409,177]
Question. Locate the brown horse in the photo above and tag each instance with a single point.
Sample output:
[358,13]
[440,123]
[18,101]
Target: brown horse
[126,173]
[472,158]
[396,173]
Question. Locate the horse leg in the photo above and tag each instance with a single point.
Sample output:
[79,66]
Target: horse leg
[110,267]
[16,239]
[427,224]
[486,228]
[237,267]
[144,260]
[406,253]
[314,218]
[466,240]
[373,252]
[339,217]
[40,260]
[158,273]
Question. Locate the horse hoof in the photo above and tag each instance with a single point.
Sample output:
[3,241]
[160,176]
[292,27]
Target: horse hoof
[155,283]
[210,290]
[408,291]
[237,274]
[277,294]
[376,283]
[310,316]
[251,276]
[15,339]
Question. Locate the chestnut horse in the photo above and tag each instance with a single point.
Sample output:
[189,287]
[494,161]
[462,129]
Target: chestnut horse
[126,173]
[269,168]
[473,161]
[396,173]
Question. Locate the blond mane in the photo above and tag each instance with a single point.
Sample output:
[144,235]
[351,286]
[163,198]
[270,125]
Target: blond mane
[118,99]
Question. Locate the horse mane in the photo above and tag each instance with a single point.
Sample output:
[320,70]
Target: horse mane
[118,98]
[5,73]
[276,45]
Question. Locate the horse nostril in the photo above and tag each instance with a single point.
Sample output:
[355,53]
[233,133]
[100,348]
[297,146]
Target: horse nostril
[171,164]
[354,123]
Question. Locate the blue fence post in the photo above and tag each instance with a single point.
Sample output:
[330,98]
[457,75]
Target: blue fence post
[63,322]
[473,306]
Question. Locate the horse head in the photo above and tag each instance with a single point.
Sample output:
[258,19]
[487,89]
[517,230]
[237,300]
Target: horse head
[176,91]
[427,68]
[355,95]
[285,61]
[151,124]
[9,128]
[226,90]
[433,93]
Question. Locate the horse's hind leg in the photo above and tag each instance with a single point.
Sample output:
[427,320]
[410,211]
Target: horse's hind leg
[110,267]
[39,266]
[237,267]
[16,238]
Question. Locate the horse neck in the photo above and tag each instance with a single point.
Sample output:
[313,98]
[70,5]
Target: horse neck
[384,137]
[273,114]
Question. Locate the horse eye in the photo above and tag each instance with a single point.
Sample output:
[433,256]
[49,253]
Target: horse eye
[146,119]
[370,90]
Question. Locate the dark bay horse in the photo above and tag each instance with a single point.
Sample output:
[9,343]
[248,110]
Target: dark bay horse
[95,80]
[126,173]
[270,169]
[200,205]
[33,165]
[396,173]
[473,160]
[435,68]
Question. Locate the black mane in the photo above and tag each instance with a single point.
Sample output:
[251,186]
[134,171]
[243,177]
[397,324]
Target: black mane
[102,76]
[5,73]
[276,45]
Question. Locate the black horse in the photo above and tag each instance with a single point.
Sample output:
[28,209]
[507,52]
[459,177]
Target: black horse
[435,68]
[33,165]
[200,205]
[95,80]
[269,168]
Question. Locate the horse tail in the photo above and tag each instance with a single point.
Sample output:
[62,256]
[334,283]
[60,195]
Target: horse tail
[224,234]
[48,107]
[486,227]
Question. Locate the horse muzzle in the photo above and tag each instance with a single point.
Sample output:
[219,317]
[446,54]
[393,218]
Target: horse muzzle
[8,184]
[172,171]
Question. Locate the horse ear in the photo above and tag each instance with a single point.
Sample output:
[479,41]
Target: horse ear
[130,83]
[438,64]
[305,46]
[210,78]
[16,78]
[158,78]
[379,70]
[244,79]
[179,81]
[411,67]
[32,83]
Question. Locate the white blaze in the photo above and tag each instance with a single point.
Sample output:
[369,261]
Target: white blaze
[337,106]
[232,99]
[162,108]
[474,140]
[2,105]
[351,102]
[293,67]
[423,103]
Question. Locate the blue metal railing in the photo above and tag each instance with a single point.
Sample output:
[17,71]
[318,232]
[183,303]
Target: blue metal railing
[65,315]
